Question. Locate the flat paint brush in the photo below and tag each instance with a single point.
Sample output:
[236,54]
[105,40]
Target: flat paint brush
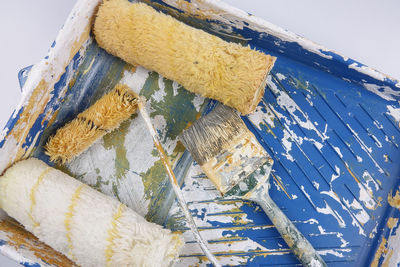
[238,165]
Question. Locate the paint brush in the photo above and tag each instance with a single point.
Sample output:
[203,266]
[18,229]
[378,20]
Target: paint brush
[238,165]
[174,183]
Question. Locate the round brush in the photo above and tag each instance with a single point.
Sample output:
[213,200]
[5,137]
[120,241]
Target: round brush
[99,119]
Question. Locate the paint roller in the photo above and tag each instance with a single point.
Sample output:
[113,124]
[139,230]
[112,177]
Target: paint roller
[90,228]
[202,63]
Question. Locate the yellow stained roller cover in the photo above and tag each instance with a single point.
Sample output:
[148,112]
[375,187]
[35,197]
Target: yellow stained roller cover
[202,63]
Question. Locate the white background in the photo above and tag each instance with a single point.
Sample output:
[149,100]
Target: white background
[365,30]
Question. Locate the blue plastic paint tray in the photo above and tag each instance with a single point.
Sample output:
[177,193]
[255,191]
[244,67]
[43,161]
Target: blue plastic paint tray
[331,125]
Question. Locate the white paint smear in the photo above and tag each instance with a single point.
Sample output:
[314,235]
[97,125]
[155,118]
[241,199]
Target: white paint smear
[370,182]
[311,221]
[334,252]
[393,248]
[358,211]
[325,210]
[159,95]
[385,92]
[280,76]
[335,175]
[365,198]
[337,149]
[208,212]
[368,71]
[286,102]
[316,185]
[259,117]
[175,87]
[394,112]
[197,102]
[287,145]
[135,80]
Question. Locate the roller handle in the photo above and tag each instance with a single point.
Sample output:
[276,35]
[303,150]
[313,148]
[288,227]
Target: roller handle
[175,185]
[299,245]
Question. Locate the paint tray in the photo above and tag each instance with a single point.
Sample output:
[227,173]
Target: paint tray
[330,123]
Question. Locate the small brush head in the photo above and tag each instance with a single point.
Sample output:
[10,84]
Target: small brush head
[227,151]
[99,119]
[209,135]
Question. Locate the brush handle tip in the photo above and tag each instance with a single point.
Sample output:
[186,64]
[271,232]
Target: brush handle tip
[299,245]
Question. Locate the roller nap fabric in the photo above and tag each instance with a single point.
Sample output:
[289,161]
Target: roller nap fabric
[90,228]
[201,62]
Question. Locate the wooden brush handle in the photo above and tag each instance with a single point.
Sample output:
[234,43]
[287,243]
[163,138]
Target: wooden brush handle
[300,246]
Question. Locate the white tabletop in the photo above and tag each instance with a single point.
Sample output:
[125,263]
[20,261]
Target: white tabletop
[365,30]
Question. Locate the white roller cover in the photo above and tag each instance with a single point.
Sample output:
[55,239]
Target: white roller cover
[89,227]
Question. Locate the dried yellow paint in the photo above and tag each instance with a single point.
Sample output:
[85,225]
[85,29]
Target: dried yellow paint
[386,157]
[113,234]
[32,147]
[381,250]
[352,174]
[19,238]
[269,130]
[394,201]
[68,218]
[35,106]
[76,45]
[90,66]
[37,102]
[130,68]
[178,241]
[32,195]
[280,185]
[230,253]
[392,222]
[386,262]
[53,118]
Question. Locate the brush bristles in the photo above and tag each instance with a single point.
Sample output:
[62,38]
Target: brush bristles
[102,117]
[209,135]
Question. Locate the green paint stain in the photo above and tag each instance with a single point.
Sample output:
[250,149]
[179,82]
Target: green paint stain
[177,110]
[155,153]
[115,191]
[116,140]
[100,182]
[176,221]
[298,83]
[154,181]
[65,170]
[150,86]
